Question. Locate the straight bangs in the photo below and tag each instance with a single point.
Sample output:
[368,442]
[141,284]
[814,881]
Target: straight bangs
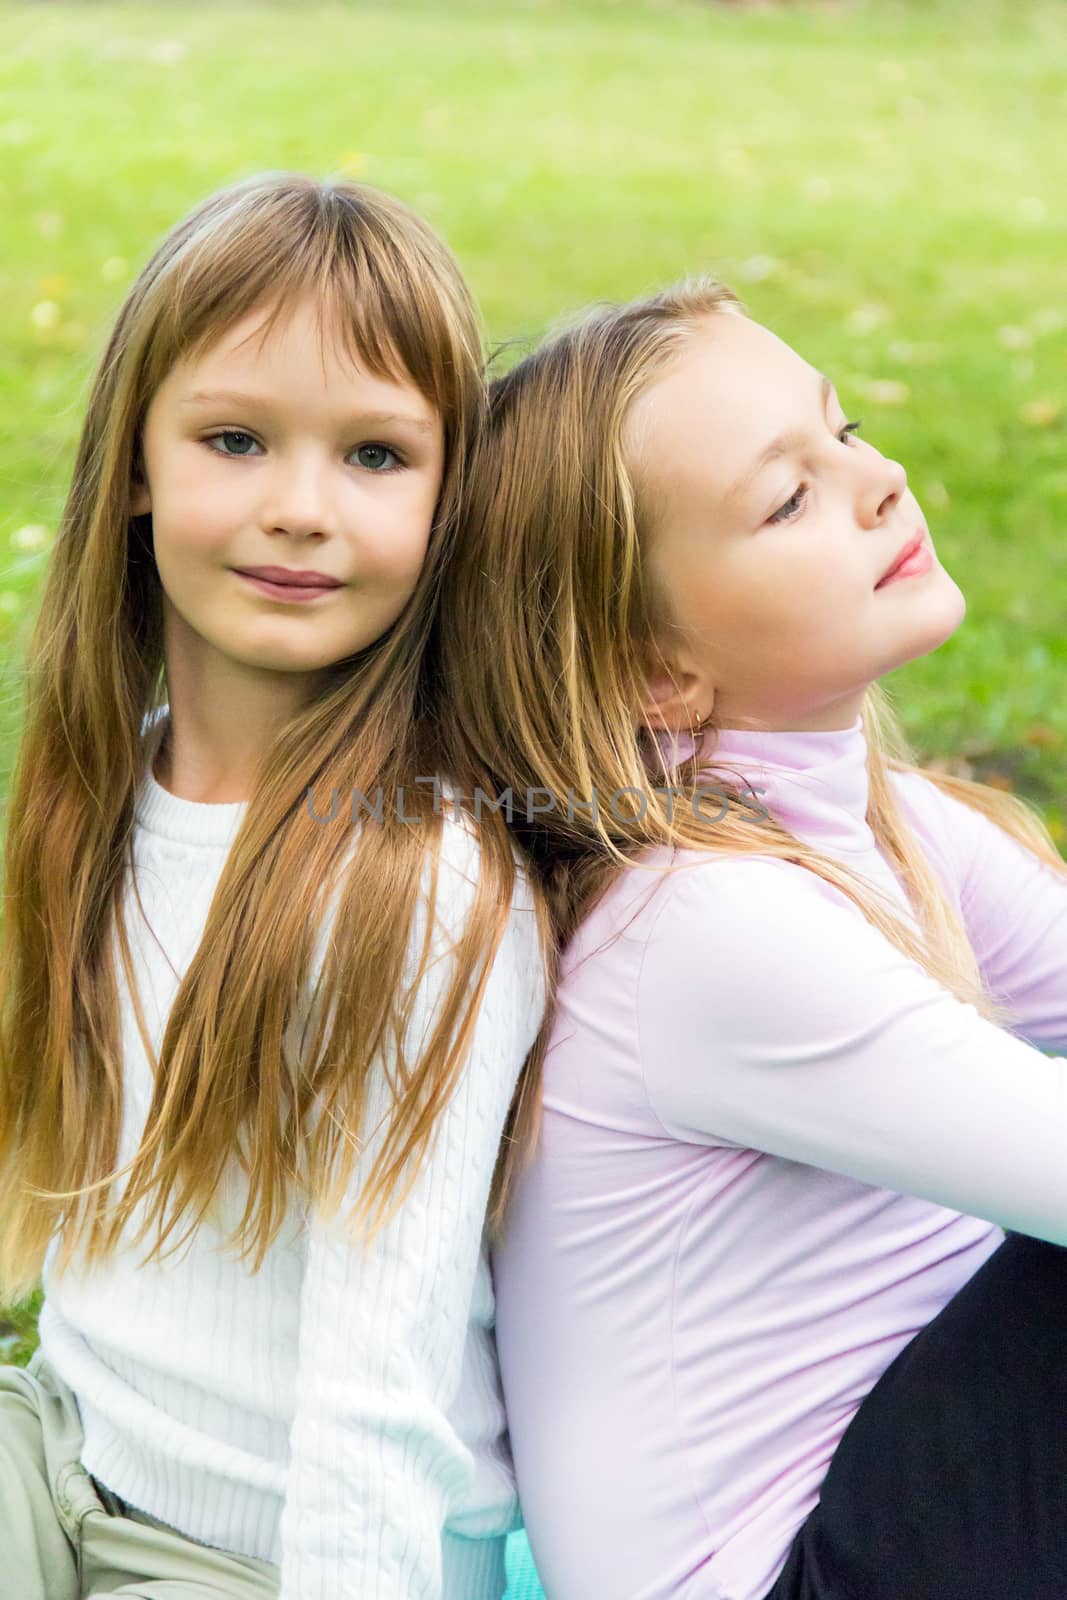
[387,291]
[373,295]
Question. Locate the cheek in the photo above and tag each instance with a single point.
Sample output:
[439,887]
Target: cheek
[768,611]
[681,579]
[395,533]
[194,506]
[710,596]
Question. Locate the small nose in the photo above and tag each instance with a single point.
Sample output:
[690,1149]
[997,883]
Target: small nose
[297,501]
[885,485]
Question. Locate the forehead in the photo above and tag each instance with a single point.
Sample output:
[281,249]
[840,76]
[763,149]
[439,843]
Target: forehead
[732,387]
[289,346]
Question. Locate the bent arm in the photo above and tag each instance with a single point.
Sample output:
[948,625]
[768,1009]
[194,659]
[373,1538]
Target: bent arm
[774,1016]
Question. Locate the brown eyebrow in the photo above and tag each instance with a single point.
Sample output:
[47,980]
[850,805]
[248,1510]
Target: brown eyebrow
[778,447]
[234,397]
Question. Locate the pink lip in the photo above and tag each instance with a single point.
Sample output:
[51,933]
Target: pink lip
[906,564]
[289,593]
[293,577]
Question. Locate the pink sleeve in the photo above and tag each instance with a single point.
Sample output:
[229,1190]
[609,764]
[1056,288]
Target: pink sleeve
[774,1016]
[1015,909]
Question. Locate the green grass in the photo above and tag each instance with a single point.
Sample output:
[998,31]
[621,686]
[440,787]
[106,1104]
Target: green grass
[880,181]
[18,1330]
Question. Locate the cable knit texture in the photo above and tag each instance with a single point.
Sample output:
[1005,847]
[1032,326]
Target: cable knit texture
[773,1149]
[337,1413]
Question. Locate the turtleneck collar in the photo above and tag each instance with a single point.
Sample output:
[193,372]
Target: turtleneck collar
[815,784]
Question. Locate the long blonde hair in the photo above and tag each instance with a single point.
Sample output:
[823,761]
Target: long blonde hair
[390,289]
[550,592]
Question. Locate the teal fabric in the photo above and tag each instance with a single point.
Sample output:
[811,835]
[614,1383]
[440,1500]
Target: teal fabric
[523,1582]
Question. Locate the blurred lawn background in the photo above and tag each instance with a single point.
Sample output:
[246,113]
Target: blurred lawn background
[883,183]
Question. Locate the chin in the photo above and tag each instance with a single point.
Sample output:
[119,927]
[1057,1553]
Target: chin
[954,604]
[942,621]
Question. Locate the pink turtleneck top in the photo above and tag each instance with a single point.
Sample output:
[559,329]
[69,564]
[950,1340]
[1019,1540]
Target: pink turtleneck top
[773,1149]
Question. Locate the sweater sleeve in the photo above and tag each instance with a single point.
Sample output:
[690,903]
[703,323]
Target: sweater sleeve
[376,1464]
[1015,910]
[773,1016]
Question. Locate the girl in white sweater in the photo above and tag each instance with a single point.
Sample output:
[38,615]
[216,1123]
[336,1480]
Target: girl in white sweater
[256,978]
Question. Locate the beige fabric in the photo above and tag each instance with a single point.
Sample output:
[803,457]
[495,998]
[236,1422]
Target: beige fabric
[64,1537]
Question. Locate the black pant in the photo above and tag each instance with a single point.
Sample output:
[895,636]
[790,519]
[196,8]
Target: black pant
[950,1482]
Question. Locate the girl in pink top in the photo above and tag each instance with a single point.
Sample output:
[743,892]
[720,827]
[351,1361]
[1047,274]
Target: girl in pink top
[782,1295]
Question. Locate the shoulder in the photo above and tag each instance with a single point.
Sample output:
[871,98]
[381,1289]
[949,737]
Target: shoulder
[933,807]
[922,795]
[953,831]
[758,945]
[695,900]
[453,865]
[695,884]
[743,928]
[463,861]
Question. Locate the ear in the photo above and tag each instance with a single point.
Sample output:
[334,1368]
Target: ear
[676,700]
[140,498]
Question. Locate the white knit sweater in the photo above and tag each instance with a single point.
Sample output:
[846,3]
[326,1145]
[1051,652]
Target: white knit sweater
[340,1416]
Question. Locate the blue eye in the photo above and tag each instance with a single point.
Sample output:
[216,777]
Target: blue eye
[243,440]
[235,442]
[374,456]
[792,507]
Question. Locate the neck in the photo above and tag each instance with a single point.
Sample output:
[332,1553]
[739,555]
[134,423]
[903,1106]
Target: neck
[224,716]
[834,717]
[197,777]
[195,762]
